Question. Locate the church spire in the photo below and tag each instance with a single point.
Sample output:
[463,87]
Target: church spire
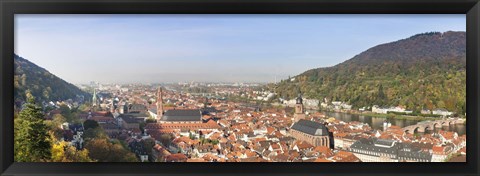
[299,99]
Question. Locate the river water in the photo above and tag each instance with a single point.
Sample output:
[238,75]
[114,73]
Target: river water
[377,122]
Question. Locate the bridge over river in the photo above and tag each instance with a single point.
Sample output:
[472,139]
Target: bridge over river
[431,125]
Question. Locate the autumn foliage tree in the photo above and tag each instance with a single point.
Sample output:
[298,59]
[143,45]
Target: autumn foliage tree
[62,152]
[55,124]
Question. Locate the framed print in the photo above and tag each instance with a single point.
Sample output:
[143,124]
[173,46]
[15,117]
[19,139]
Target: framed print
[253,87]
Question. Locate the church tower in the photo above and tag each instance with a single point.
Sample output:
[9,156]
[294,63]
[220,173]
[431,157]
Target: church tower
[299,112]
[159,104]
[94,98]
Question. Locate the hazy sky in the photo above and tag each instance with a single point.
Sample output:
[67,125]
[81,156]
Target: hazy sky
[233,48]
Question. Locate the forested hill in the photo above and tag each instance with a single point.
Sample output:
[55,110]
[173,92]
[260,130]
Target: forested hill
[43,85]
[424,71]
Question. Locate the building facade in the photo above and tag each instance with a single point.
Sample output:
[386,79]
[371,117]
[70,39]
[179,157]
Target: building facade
[381,150]
[314,133]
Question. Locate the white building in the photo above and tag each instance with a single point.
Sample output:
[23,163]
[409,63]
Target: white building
[324,105]
[144,158]
[425,111]
[311,103]
[385,110]
[381,150]
[442,112]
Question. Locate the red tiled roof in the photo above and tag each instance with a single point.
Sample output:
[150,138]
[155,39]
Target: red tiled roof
[324,150]
[343,156]
[303,145]
[270,130]
[275,146]
[177,157]
[173,126]
[196,160]
[438,149]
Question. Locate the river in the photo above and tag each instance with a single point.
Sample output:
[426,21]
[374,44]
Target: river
[377,122]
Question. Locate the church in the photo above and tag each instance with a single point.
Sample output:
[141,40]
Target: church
[176,115]
[315,133]
[178,120]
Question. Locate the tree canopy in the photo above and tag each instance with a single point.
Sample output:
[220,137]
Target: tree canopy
[31,139]
[88,124]
[62,152]
[103,150]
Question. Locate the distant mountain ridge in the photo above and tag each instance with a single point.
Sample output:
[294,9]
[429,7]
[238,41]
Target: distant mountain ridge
[431,46]
[425,71]
[43,85]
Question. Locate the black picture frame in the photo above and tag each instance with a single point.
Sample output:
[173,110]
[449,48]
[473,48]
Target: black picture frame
[8,8]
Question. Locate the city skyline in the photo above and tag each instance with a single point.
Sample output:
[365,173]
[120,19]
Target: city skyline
[207,48]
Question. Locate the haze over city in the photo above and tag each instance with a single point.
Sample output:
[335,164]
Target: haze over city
[211,48]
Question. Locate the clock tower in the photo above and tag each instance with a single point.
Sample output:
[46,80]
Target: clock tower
[299,111]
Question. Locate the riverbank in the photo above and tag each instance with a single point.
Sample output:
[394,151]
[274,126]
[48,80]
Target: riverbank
[375,121]
[397,117]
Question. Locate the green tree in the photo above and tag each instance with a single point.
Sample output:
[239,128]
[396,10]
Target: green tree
[103,150]
[54,125]
[166,139]
[141,125]
[58,119]
[381,97]
[90,124]
[440,104]
[66,112]
[31,138]
[148,146]
[150,120]
[84,107]
[94,133]
[100,149]
[191,136]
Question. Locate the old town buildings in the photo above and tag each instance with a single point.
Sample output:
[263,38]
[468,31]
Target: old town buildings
[188,127]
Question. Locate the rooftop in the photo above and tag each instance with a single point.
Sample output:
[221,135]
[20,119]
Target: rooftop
[182,115]
[310,127]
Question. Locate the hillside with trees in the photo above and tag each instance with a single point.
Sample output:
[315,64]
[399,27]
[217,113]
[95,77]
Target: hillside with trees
[425,71]
[42,84]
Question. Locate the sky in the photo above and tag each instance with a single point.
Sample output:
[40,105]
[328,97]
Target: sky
[207,48]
